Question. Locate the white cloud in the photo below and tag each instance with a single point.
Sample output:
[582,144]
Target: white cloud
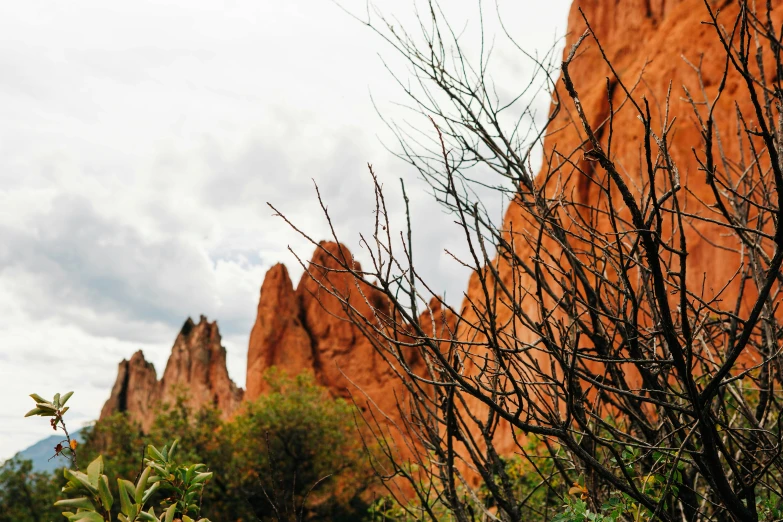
[140,143]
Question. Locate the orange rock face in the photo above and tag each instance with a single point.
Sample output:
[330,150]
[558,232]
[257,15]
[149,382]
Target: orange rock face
[196,368]
[307,329]
[135,391]
[278,337]
[198,364]
[648,43]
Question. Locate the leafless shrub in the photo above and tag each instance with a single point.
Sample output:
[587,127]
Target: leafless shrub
[589,345]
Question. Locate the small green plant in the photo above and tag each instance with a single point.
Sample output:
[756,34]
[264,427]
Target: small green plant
[55,409]
[176,489]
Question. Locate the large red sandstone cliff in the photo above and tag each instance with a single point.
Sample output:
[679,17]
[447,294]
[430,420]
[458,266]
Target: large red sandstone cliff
[648,43]
[652,46]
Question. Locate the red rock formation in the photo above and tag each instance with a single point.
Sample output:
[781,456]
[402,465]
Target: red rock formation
[306,328]
[198,364]
[338,346]
[648,39]
[278,337]
[196,367]
[135,391]
[309,330]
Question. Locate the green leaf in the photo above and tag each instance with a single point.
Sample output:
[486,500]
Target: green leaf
[79,502]
[56,400]
[190,473]
[65,398]
[94,470]
[105,493]
[171,449]
[202,477]
[37,398]
[149,492]
[170,513]
[86,516]
[80,479]
[34,411]
[125,501]
[154,454]
[141,485]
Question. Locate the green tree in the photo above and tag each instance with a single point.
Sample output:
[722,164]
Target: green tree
[121,443]
[204,437]
[297,454]
[294,454]
[27,496]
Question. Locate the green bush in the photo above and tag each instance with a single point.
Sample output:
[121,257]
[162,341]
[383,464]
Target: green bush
[27,496]
[297,454]
[294,454]
[176,490]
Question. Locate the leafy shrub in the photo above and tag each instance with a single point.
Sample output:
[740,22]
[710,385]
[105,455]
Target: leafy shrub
[26,496]
[297,455]
[175,489]
[294,454]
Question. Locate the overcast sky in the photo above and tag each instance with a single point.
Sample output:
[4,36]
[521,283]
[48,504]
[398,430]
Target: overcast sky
[139,144]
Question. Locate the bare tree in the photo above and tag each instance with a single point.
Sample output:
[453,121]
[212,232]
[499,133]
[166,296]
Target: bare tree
[590,351]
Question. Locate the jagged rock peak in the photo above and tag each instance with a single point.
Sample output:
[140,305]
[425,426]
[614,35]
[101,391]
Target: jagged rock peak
[196,369]
[278,337]
[135,391]
[308,329]
[198,363]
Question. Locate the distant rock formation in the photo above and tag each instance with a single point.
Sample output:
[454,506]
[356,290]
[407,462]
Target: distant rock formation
[296,330]
[197,365]
[136,391]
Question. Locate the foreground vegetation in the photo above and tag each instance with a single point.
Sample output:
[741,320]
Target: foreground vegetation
[294,454]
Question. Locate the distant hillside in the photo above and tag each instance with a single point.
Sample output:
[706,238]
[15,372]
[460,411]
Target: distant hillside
[42,451]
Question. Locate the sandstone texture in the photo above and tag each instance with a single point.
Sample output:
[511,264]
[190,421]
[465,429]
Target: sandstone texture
[198,365]
[279,337]
[308,329]
[135,391]
[652,45]
[196,369]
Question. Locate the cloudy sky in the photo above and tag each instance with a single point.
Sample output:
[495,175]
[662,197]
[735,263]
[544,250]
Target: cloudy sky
[139,144]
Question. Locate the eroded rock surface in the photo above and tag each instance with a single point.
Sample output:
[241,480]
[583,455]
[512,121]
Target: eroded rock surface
[196,369]
[308,329]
